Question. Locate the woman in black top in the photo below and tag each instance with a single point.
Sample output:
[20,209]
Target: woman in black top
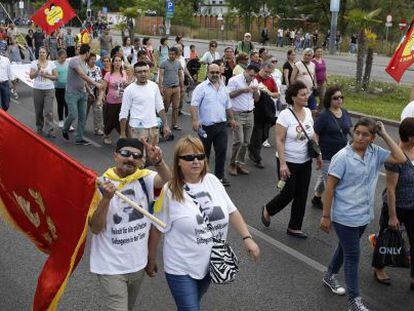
[288,67]
[332,128]
[398,198]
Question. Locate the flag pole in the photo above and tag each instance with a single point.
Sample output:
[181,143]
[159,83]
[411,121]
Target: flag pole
[8,15]
[138,207]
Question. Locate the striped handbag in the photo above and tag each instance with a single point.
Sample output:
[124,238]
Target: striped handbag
[224,264]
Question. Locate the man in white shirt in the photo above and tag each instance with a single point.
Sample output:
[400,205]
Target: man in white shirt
[280,37]
[119,249]
[141,101]
[6,77]
[243,92]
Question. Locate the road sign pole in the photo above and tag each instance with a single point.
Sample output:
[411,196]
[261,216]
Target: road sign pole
[335,5]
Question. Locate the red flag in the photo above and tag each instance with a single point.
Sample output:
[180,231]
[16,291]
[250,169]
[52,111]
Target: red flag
[403,56]
[53,14]
[47,196]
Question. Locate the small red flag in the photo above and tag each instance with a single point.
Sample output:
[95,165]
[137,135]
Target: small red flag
[47,196]
[403,56]
[53,14]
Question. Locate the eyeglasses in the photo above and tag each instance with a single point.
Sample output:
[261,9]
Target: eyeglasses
[127,154]
[192,157]
[213,46]
[337,97]
[214,72]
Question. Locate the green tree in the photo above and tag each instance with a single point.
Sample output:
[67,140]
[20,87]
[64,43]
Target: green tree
[363,21]
[246,9]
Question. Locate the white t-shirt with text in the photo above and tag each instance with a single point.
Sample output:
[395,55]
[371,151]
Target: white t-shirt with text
[296,143]
[122,247]
[187,241]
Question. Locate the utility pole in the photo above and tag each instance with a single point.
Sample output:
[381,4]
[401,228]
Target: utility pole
[335,5]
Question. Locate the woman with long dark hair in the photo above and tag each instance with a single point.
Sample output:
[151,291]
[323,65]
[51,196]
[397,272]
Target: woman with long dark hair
[114,82]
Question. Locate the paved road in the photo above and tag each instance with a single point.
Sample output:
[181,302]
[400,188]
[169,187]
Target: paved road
[288,276]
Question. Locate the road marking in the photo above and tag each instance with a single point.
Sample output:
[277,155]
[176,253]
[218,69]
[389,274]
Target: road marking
[294,253]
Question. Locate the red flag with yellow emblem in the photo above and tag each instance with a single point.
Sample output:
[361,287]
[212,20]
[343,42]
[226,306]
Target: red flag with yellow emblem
[53,14]
[46,195]
[403,56]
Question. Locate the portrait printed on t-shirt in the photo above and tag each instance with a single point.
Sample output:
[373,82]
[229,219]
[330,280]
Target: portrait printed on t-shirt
[126,212]
[214,213]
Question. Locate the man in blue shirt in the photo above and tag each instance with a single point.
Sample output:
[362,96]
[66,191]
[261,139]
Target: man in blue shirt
[210,112]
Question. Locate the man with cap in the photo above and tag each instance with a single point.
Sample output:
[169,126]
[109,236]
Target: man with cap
[120,236]
[245,45]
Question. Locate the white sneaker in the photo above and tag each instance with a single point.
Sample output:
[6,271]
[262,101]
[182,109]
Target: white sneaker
[330,281]
[357,305]
[60,124]
[71,129]
[266,144]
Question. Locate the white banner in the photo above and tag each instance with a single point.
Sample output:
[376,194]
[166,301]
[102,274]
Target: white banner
[21,72]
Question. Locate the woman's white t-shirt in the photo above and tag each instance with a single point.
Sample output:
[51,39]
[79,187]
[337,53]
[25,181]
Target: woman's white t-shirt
[296,143]
[187,241]
[122,247]
[42,83]
[209,57]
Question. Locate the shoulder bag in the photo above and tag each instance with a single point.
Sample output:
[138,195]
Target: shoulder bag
[313,148]
[224,264]
[314,86]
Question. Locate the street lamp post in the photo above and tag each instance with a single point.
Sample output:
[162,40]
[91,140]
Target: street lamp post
[335,5]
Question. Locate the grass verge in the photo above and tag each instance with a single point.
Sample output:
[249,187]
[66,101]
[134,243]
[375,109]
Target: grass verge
[383,100]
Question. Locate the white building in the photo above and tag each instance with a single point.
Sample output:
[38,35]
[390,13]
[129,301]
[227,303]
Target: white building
[213,7]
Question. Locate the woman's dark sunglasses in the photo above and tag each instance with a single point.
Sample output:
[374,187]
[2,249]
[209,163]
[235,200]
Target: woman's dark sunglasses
[192,157]
[337,97]
[127,154]
[213,46]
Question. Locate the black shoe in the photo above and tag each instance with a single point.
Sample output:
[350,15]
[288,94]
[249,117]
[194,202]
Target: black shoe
[265,222]
[253,158]
[317,202]
[65,135]
[82,142]
[225,182]
[258,164]
[299,235]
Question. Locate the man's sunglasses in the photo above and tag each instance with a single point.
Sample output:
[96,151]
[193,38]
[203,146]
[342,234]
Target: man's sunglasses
[213,46]
[192,157]
[127,154]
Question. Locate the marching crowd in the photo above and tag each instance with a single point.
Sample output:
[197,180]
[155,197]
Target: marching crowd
[131,89]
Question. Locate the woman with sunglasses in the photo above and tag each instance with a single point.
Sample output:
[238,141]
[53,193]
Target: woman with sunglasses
[332,128]
[350,200]
[187,241]
[211,55]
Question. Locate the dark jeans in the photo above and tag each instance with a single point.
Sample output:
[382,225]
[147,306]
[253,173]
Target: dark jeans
[405,217]
[216,136]
[296,189]
[347,252]
[111,118]
[259,134]
[187,292]
[62,107]
[5,95]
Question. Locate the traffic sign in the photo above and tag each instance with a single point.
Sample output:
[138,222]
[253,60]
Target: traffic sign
[169,8]
[105,10]
[389,18]
[388,24]
[21,5]
[402,24]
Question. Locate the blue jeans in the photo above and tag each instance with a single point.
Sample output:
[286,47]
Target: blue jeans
[5,95]
[187,292]
[348,251]
[77,105]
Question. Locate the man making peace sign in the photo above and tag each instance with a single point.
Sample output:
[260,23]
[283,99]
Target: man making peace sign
[119,248]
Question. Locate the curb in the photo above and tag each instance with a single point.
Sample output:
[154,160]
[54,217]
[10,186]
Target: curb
[388,122]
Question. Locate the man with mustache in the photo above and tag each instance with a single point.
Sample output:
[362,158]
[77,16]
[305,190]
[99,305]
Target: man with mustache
[210,112]
[119,250]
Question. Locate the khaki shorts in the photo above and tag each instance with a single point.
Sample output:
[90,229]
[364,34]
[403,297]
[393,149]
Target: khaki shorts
[149,134]
[120,291]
